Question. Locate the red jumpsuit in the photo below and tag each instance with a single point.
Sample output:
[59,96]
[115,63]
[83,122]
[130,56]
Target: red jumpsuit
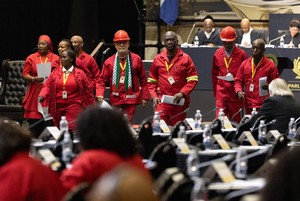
[243,80]
[90,165]
[79,95]
[24,178]
[88,64]
[133,96]
[184,74]
[30,101]
[224,90]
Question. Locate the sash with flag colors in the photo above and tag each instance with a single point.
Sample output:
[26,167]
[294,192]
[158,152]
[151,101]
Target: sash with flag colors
[169,11]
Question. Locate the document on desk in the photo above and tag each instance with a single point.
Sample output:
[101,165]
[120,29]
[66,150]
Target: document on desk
[262,82]
[228,77]
[44,70]
[170,100]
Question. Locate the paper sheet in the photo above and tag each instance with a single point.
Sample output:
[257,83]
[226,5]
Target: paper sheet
[44,70]
[262,82]
[228,77]
[170,100]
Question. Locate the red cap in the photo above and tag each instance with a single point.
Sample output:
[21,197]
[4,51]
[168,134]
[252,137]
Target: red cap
[228,34]
[48,40]
[121,35]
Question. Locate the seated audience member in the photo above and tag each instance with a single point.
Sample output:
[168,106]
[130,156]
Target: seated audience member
[21,176]
[246,35]
[292,38]
[106,142]
[68,90]
[281,105]
[282,182]
[209,35]
[123,183]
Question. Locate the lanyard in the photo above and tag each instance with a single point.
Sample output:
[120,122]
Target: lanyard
[123,67]
[44,61]
[227,64]
[65,77]
[168,66]
[253,68]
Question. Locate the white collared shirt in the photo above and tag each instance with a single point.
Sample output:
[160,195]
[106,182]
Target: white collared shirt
[67,71]
[246,38]
[208,34]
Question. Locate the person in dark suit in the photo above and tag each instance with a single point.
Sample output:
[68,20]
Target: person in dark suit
[292,37]
[209,35]
[246,35]
[281,105]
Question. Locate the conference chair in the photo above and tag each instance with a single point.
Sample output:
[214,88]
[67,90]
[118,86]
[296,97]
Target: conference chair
[12,90]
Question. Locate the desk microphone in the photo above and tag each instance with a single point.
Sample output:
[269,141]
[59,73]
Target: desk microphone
[208,163]
[213,110]
[276,39]
[188,38]
[176,115]
[105,51]
[238,112]
[267,124]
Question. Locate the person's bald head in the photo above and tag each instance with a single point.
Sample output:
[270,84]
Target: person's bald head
[208,25]
[124,183]
[77,43]
[245,25]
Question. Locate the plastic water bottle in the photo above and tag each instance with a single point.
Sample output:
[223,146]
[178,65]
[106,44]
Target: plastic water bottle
[207,137]
[281,42]
[63,124]
[241,168]
[199,191]
[198,119]
[254,112]
[196,41]
[181,132]
[262,130]
[191,164]
[67,148]
[221,116]
[156,123]
[292,128]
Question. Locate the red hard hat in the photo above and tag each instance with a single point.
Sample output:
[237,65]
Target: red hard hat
[228,34]
[121,35]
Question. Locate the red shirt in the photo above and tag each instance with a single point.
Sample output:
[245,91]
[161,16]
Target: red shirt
[24,178]
[133,96]
[243,79]
[92,164]
[30,101]
[90,67]
[224,89]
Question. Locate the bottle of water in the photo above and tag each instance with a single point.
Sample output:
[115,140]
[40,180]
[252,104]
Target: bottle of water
[221,116]
[292,128]
[241,168]
[199,191]
[67,148]
[262,130]
[191,164]
[281,42]
[156,123]
[196,41]
[63,124]
[181,132]
[198,119]
[207,137]
[254,112]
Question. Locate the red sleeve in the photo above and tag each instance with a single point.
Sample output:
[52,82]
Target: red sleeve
[192,78]
[143,80]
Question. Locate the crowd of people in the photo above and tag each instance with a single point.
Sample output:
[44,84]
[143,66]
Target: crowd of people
[75,84]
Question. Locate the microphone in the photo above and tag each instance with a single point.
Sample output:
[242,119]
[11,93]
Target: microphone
[267,124]
[262,150]
[239,111]
[105,51]
[213,110]
[276,39]
[187,40]
[150,117]
[176,115]
[208,163]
